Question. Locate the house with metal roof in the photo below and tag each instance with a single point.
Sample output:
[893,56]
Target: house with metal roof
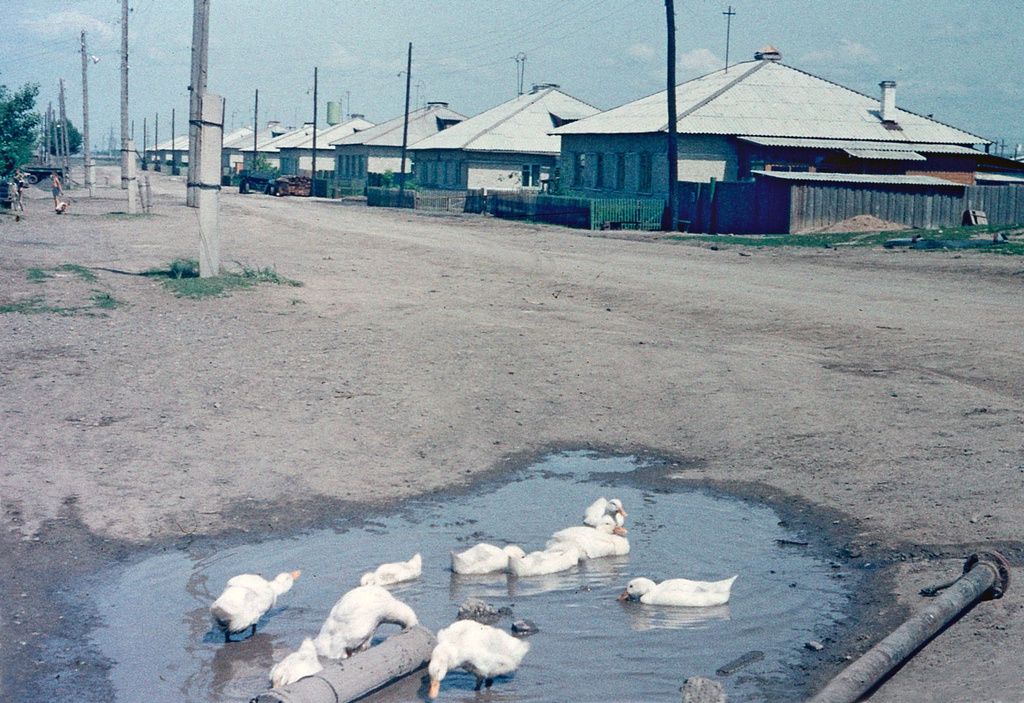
[375,150]
[508,146]
[173,151]
[296,155]
[761,116]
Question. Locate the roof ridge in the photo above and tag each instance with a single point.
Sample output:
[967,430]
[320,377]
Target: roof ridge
[399,122]
[509,116]
[717,94]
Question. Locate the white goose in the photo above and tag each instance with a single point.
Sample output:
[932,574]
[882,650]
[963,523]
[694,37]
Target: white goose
[679,592]
[297,665]
[484,559]
[482,650]
[246,599]
[602,506]
[550,561]
[395,572]
[603,540]
[355,618]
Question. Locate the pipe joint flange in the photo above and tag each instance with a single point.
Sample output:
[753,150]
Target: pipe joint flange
[999,565]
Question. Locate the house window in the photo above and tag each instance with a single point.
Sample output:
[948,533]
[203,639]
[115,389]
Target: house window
[620,172]
[579,169]
[531,175]
[646,168]
[599,170]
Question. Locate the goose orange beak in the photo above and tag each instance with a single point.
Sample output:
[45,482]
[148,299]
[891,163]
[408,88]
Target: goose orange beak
[625,595]
[435,688]
[622,512]
[296,574]
[620,530]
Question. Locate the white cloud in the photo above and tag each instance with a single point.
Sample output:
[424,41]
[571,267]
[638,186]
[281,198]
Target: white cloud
[699,62]
[641,52]
[59,25]
[846,53]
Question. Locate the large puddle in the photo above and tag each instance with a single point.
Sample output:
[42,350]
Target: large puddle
[591,647]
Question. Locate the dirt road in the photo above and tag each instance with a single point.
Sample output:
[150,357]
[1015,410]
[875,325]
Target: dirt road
[882,388]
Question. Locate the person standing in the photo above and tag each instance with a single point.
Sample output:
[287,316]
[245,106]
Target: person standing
[57,191]
[19,187]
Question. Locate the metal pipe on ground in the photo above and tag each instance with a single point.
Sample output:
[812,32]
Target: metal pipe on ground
[986,575]
[399,655]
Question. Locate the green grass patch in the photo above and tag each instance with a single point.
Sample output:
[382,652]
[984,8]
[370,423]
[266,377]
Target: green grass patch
[182,278]
[81,271]
[105,301]
[37,275]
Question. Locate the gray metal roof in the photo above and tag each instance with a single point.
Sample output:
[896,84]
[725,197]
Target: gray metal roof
[767,98]
[866,178]
[327,135]
[885,154]
[422,124]
[521,125]
[853,144]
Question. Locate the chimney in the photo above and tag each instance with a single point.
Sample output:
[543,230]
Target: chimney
[768,53]
[357,116]
[437,103]
[888,103]
[537,87]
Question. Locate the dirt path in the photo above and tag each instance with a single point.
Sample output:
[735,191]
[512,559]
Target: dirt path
[423,351]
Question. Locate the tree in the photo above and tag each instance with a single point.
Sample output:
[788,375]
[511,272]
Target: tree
[18,126]
[74,138]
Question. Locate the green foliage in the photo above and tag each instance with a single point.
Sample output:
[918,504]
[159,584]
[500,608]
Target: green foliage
[71,299]
[81,271]
[182,279]
[262,163]
[74,138]
[18,125]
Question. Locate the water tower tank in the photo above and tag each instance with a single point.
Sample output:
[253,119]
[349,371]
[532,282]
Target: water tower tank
[333,113]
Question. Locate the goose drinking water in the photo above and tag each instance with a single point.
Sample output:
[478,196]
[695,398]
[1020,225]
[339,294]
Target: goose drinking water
[246,599]
[482,650]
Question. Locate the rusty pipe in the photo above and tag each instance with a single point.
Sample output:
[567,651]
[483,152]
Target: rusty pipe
[986,575]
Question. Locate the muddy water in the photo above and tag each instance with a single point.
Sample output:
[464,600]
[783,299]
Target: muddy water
[590,646]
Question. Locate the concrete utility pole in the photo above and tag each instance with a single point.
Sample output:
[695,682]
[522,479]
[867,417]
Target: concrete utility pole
[211,127]
[156,140]
[124,96]
[174,146]
[86,153]
[673,146]
[405,128]
[200,39]
[145,142]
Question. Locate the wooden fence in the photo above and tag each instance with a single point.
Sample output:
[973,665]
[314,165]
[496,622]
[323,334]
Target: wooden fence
[581,213]
[776,206]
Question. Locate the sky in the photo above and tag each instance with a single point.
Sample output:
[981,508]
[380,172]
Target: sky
[958,61]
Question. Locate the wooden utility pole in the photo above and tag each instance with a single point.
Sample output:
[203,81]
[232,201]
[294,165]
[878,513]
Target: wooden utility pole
[200,38]
[124,96]
[174,146]
[405,128]
[673,146]
[312,184]
[156,140]
[145,142]
[64,157]
[729,14]
[255,127]
[86,153]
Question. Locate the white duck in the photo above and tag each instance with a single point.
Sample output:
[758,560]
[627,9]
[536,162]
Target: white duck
[484,559]
[355,618]
[679,592]
[602,506]
[603,540]
[297,665]
[482,650]
[550,561]
[246,599]
[395,572]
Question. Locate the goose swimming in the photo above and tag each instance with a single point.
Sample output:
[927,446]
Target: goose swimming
[395,572]
[679,592]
